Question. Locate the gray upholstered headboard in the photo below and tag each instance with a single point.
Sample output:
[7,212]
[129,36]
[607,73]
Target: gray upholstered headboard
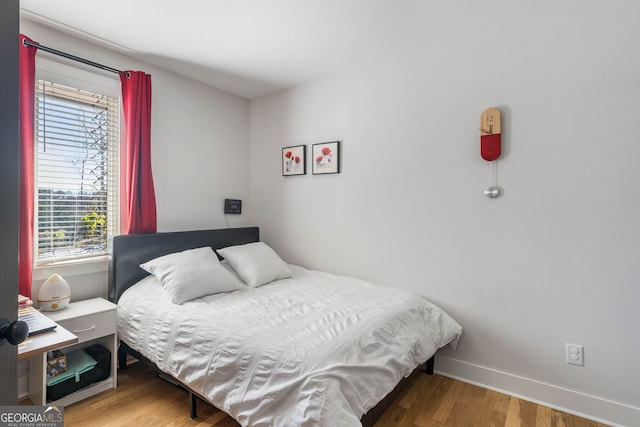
[129,251]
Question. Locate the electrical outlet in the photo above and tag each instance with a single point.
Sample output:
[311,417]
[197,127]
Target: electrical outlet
[575,354]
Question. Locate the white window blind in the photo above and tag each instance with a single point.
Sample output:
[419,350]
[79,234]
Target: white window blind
[76,150]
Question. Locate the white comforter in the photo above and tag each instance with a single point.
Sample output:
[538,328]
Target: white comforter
[313,350]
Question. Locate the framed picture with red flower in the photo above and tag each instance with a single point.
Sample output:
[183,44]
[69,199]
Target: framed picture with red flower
[294,161]
[326,157]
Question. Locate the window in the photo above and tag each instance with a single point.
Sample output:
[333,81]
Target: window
[76,149]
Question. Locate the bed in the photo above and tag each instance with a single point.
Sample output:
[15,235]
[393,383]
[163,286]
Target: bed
[305,348]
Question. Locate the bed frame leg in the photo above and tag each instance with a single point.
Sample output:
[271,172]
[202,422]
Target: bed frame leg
[429,365]
[193,405]
[122,359]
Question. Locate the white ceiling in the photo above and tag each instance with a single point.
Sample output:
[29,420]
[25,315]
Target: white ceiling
[248,47]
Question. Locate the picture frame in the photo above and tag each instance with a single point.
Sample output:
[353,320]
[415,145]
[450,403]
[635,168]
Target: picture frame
[325,157]
[294,160]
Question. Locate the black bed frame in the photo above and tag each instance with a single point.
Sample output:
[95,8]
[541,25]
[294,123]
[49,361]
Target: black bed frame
[129,251]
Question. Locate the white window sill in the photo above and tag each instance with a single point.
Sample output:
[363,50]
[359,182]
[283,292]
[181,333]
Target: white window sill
[72,267]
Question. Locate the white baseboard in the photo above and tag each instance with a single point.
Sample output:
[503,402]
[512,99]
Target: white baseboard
[584,405]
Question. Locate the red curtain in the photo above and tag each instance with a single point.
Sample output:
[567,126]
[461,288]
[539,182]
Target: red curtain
[25,229]
[138,200]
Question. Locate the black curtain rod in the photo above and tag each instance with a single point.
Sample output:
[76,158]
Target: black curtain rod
[73,57]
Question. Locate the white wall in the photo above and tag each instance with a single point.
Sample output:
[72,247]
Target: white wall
[553,260]
[196,130]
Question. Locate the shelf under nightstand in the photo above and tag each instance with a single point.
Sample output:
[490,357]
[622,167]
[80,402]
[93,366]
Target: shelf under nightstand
[93,321]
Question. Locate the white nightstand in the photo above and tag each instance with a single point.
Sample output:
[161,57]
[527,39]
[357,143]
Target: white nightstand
[93,321]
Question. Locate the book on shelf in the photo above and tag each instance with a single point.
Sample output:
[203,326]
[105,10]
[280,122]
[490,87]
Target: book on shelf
[24,301]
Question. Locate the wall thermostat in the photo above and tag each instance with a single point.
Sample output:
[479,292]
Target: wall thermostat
[232,206]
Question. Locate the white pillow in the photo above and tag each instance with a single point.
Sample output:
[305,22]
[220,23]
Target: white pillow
[192,274]
[256,263]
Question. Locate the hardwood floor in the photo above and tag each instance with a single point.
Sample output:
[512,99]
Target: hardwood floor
[143,399]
